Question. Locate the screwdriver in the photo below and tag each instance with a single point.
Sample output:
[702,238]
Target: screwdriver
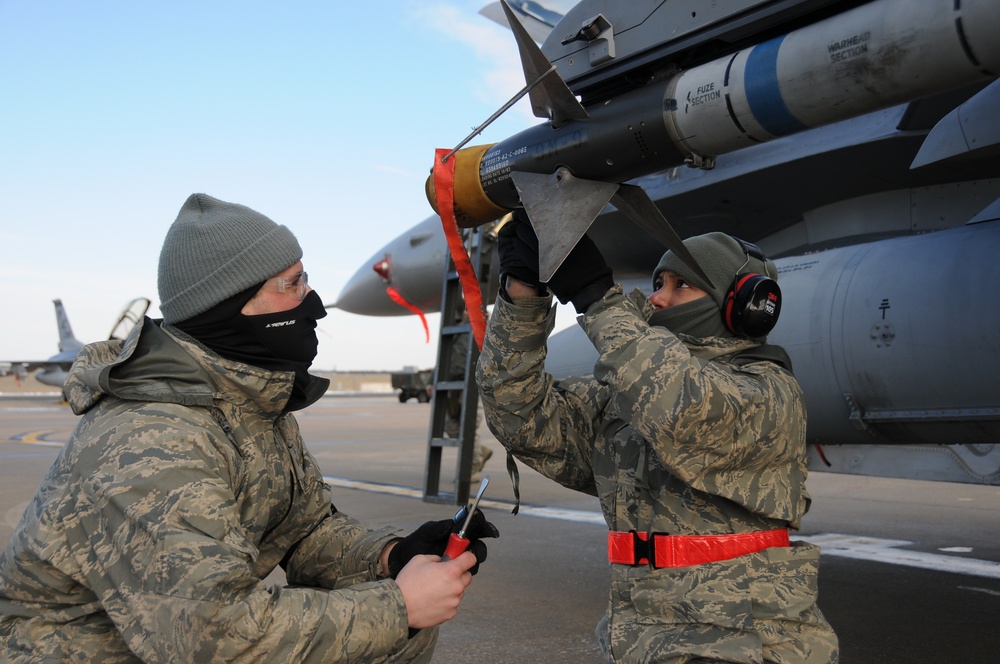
[457,542]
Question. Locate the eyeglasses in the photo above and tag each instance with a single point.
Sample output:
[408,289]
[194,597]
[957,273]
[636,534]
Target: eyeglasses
[297,284]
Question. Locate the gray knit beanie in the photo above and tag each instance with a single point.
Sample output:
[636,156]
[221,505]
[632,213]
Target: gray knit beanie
[216,249]
[721,257]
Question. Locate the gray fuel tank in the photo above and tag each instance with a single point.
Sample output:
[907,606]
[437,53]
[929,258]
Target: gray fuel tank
[898,340]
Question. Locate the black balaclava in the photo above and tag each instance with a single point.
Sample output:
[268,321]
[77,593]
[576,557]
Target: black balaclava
[698,318]
[282,341]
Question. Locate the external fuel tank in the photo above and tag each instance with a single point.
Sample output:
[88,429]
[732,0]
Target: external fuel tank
[898,339]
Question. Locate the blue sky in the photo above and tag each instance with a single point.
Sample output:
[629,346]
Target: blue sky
[322,115]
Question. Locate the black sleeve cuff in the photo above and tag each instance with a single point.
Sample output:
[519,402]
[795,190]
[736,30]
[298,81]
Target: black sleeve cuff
[592,293]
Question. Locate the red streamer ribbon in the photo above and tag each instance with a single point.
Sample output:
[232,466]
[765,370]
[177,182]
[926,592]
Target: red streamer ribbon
[444,188]
[398,298]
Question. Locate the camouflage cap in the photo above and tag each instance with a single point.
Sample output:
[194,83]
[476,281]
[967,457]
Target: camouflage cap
[215,250]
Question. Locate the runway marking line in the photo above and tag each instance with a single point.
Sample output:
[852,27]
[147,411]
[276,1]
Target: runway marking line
[980,590]
[36,438]
[888,551]
[832,544]
[579,516]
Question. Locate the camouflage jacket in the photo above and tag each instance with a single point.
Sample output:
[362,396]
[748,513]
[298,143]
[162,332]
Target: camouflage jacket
[182,488]
[674,436]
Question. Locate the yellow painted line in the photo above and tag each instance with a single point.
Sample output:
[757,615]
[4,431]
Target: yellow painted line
[36,438]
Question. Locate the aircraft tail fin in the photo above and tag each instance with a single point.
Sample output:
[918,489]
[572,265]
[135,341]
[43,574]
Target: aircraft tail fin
[67,341]
[536,19]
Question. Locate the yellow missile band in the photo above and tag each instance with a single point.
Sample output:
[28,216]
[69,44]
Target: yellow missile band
[472,206]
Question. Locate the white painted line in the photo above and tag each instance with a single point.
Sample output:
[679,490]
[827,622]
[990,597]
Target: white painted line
[988,591]
[886,551]
[579,516]
[345,483]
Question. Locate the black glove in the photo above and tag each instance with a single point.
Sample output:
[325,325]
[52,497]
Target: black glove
[517,248]
[583,278]
[432,539]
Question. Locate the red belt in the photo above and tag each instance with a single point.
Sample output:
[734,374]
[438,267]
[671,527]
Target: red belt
[633,548]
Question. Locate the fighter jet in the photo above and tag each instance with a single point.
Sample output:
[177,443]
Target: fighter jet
[54,370]
[855,142]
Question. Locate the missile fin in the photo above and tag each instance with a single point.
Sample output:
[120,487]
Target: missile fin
[561,208]
[552,98]
[636,204]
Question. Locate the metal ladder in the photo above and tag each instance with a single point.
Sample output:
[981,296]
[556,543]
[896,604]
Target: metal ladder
[457,379]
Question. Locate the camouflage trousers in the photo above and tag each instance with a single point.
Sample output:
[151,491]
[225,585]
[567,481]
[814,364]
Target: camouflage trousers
[98,642]
[418,650]
[753,609]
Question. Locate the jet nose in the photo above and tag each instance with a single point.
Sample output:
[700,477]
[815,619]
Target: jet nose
[365,294]
[413,264]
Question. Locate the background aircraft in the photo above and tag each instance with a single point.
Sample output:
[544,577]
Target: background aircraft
[885,225]
[54,370]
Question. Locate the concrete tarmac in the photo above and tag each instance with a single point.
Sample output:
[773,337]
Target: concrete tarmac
[910,570]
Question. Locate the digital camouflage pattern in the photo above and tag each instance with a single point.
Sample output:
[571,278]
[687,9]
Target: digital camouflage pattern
[673,437]
[183,486]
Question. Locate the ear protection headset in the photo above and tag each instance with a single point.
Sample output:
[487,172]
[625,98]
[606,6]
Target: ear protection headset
[753,302]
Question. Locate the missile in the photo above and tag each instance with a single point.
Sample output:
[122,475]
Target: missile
[565,171]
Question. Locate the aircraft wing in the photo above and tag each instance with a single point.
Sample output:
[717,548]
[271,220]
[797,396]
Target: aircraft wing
[889,177]
[24,367]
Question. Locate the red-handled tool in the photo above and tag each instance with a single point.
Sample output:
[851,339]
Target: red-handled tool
[457,542]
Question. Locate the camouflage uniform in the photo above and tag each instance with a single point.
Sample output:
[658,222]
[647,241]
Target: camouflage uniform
[673,437]
[183,486]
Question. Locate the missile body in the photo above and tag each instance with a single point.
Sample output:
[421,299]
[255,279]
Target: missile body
[864,59]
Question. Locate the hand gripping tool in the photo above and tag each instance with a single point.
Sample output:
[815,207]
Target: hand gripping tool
[457,542]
